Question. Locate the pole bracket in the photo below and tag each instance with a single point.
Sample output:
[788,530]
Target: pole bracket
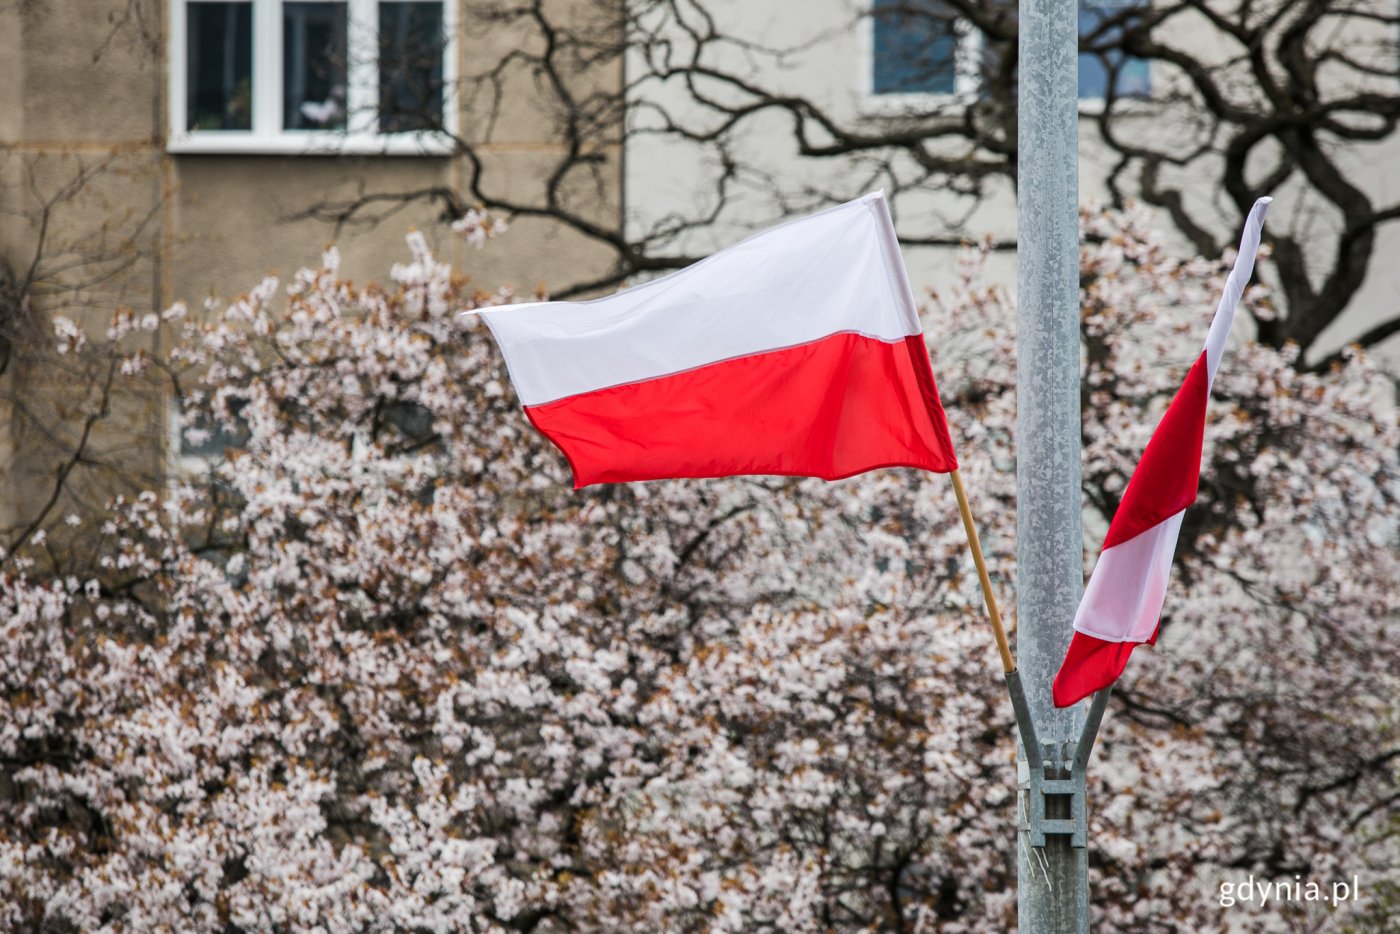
[1050,789]
[1050,778]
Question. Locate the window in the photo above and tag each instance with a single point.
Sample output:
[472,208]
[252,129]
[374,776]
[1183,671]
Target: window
[293,76]
[315,66]
[220,67]
[1131,76]
[202,442]
[918,48]
[410,66]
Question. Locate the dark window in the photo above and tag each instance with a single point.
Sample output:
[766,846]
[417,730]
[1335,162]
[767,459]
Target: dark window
[220,71]
[915,47]
[205,437]
[410,66]
[313,66]
[1130,76]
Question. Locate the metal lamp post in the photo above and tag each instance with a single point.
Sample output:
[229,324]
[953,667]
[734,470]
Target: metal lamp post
[1052,880]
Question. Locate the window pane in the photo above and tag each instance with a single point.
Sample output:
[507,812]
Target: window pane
[915,47]
[219,75]
[205,437]
[1132,77]
[410,66]
[313,66]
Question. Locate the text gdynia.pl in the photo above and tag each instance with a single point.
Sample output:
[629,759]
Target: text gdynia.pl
[1260,892]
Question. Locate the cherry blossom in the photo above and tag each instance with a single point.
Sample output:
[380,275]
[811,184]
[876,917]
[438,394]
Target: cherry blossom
[376,667]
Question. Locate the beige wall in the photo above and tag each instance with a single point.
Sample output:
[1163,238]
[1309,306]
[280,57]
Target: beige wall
[74,86]
[83,91]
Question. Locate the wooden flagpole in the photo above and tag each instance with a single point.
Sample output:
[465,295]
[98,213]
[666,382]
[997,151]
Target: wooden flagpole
[1007,664]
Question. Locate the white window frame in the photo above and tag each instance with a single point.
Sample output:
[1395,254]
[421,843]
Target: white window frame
[966,73]
[361,135]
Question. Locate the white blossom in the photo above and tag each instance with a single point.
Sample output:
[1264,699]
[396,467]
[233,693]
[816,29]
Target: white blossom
[382,670]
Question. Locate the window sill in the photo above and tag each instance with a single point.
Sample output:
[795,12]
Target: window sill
[915,105]
[1094,106]
[237,142]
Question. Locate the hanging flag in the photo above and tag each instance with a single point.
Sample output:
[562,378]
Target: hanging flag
[1122,603]
[797,351]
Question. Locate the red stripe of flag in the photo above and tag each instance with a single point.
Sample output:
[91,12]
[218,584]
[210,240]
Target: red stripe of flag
[830,408]
[1168,475]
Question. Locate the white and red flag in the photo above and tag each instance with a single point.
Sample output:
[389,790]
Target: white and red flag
[797,351]
[1122,604]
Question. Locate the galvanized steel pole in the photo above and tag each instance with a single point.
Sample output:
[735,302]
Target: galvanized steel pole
[1053,880]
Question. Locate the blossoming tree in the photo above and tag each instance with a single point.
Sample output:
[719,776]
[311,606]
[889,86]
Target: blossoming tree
[377,668]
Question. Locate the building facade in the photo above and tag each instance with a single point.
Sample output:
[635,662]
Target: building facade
[803,95]
[154,151]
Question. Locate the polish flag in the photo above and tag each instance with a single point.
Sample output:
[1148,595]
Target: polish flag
[1122,603]
[797,351]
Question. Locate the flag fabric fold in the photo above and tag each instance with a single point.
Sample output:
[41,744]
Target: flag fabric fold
[1122,603]
[797,351]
